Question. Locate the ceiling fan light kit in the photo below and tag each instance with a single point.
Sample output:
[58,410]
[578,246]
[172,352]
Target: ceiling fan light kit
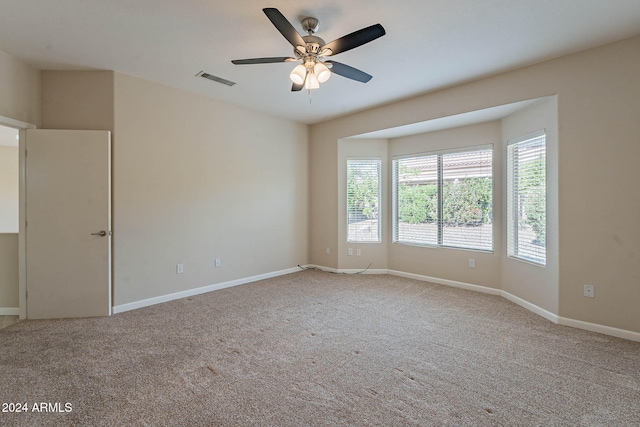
[298,74]
[311,82]
[312,51]
[311,73]
[322,71]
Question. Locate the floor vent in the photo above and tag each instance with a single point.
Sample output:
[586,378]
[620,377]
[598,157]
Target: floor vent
[215,78]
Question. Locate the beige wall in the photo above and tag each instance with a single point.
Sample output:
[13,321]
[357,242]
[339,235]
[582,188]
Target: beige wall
[19,90]
[8,189]
[598,134]
[197,179]
[9,270]
[80,100]
[534,283]
[452,264]
[194,179]
[323,200]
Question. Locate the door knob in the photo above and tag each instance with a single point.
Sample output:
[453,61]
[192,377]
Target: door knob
[100,233]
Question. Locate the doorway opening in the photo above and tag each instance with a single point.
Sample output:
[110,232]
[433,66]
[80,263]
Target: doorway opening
[9,224]
[11,126]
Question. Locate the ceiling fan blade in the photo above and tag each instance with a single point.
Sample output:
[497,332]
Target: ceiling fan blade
[349,72]
[355,39]
[284,26]
[263,60]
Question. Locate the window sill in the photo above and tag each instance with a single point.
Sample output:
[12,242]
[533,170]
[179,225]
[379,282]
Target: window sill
[424,245]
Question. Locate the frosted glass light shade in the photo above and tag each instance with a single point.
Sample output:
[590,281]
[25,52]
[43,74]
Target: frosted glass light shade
[322,72]
[298,74]
[311,82]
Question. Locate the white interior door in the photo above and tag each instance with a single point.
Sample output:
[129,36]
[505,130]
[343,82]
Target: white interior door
[68,214]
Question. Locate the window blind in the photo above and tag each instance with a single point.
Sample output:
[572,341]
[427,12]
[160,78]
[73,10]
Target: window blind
[444,199]
[467,200]
[363,200]
[416,200]
[526,198]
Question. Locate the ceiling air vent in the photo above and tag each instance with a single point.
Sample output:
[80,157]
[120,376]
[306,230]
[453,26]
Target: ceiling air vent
[215,78]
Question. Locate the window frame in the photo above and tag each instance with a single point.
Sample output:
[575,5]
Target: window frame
[440,185]
[512,222]
[378,160]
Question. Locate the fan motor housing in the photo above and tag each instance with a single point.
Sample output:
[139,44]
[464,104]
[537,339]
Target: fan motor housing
[314,43]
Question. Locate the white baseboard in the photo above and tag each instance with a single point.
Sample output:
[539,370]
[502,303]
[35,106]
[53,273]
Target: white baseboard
[593,327]
[197,291]
[452,283]
[9,311]
[347,270]
[361,271]
[601,329]
[531,307]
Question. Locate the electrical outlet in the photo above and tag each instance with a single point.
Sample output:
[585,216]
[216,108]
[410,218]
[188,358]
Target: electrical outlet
[218,262]
[472,263]
[328,250]
[359,252]
[589,291]
[179,268]
[350,252]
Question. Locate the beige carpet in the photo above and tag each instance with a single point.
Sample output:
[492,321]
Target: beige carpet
[319,349]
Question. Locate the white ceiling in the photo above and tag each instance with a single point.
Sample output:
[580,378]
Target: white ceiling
[429,44]
[449,122]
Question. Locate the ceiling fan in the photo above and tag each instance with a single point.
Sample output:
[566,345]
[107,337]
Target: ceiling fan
[312,51]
